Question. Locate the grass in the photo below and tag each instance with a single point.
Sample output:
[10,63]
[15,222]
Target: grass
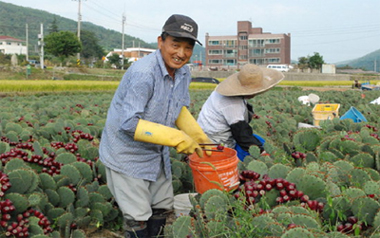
[98,85]
[55,85]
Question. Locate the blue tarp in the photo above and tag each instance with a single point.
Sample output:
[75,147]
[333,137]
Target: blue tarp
[353,114]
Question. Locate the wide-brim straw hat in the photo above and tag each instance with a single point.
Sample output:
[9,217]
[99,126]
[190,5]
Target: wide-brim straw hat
[251,80]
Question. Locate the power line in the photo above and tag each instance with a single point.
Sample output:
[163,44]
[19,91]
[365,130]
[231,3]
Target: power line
[101,12]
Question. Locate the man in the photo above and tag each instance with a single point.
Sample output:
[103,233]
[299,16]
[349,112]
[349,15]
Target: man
[226,114]
[152,98]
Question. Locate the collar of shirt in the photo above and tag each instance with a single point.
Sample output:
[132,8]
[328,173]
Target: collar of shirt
[181,72]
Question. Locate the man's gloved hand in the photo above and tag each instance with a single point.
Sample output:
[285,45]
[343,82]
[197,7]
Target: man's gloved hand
[155,133]
[188,146]
[187,123]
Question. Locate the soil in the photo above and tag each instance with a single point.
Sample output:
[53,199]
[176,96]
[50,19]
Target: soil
[324,89]
[106,233]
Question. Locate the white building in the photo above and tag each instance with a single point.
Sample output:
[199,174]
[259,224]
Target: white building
[133,54]
[10,45]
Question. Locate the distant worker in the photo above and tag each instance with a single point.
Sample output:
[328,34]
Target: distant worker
[356,84]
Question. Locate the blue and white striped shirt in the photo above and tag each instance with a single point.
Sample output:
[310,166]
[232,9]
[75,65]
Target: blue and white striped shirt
[147,92]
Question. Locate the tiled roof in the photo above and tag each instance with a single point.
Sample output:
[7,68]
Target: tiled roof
[9,38]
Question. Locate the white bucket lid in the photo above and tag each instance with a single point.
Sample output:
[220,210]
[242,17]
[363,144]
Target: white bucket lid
[313,98]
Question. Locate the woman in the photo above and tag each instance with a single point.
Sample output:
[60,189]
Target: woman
[226,114]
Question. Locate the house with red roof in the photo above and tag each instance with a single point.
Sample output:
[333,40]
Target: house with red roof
[11,45]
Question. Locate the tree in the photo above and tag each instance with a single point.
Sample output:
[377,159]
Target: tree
[303,63]
[90,46]
[62,44]
[316,61]
[114,59]
[53,26]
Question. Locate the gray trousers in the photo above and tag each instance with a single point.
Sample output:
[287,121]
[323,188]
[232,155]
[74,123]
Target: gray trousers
[137,197]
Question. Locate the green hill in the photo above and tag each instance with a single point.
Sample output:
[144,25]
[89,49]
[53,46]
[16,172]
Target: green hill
[13,20]
[367,62]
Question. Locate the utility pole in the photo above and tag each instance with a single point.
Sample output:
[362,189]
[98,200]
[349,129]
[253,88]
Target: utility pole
[78,33]
[375,68]
[27,43]
[122,42]
[41,44]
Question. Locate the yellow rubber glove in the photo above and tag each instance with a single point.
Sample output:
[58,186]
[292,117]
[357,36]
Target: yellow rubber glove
[187,123]
[155,133]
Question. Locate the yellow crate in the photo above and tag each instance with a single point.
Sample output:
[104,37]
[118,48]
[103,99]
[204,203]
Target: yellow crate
[325,112]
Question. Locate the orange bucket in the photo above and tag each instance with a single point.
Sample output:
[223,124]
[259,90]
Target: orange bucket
[218,171]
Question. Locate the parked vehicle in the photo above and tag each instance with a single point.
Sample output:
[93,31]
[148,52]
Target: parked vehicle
[279,67]
[205,80]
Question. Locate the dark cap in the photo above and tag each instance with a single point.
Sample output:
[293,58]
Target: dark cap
[181,26]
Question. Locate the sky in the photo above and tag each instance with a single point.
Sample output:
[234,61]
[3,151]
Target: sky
[338,30]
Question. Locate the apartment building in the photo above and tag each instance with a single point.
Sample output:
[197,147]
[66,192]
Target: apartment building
[10,45]
[250,45]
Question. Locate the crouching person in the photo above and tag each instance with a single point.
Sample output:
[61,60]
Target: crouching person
[226,114]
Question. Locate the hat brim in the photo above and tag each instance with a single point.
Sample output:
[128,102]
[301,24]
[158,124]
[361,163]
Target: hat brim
[183,35]
[231,86]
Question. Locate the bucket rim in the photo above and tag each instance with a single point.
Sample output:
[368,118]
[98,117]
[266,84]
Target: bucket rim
[230,153]
[205,166]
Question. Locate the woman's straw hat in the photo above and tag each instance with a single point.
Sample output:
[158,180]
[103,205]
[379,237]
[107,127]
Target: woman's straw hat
[251,80]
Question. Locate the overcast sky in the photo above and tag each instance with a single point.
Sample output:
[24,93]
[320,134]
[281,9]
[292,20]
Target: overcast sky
[338,30]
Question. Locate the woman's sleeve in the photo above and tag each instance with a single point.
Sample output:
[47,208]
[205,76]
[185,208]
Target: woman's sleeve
[243,134]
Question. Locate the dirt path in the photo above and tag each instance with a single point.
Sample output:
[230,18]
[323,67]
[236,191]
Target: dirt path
[324,89]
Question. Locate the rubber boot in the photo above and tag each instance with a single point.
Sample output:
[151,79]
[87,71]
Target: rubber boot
[136,229]
[156,223]
[137,234]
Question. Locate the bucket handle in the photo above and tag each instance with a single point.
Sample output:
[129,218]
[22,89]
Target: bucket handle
[214,182]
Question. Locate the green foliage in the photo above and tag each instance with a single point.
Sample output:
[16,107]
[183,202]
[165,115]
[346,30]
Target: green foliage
[91,48]
[340,171]
[316,61]
[297,232]
[66,158]
[66,196]
[20,202]
[23,181]
[62,44]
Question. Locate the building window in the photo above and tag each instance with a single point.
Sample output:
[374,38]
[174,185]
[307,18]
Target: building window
[256,52]
[273,60]
[257,61]
[230,53]
[9,43]
[214,42]
[256,43]
[273,41]
[243,57]
[215,52]
[272,50]
[215,61]
[244,37]
[230,62]
[230,43]
[243,47]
